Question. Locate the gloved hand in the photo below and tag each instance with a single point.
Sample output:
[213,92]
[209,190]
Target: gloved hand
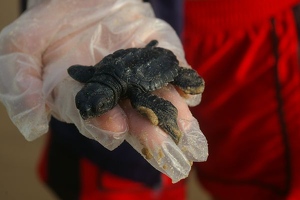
[37,49]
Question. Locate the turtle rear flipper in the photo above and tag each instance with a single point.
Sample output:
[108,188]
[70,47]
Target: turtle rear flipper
[189,81]
[152,43]
[160,112]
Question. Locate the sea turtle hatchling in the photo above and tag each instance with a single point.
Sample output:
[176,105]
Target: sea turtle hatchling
[133,73]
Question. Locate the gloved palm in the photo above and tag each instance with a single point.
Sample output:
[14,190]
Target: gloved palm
[37,49]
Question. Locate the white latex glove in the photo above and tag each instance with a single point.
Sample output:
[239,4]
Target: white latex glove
[37,49]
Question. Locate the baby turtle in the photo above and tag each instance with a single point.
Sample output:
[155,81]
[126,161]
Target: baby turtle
[133,73]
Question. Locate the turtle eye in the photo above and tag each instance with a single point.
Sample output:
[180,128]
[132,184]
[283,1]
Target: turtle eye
[85,112]
[100,108]
[102,102]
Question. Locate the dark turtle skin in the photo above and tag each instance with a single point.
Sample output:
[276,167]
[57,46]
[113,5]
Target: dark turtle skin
[133,73]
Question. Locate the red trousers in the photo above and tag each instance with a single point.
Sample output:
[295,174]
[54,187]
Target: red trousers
[250,111]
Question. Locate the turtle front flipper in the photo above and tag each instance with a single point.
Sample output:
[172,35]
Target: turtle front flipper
[189,81]
[81,73]
[160,112]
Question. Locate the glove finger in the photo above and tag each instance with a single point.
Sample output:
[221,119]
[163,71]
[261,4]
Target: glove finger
[156,146]
[21,94]
[190,100]
[193,143]
[109,129]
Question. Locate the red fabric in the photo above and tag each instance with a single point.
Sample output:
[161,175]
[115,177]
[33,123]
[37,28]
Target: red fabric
[215,15]
[42,167]
[239,113]
[89,175]
[96,185]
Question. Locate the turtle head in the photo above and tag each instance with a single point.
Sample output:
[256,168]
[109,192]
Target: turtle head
[94,99]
